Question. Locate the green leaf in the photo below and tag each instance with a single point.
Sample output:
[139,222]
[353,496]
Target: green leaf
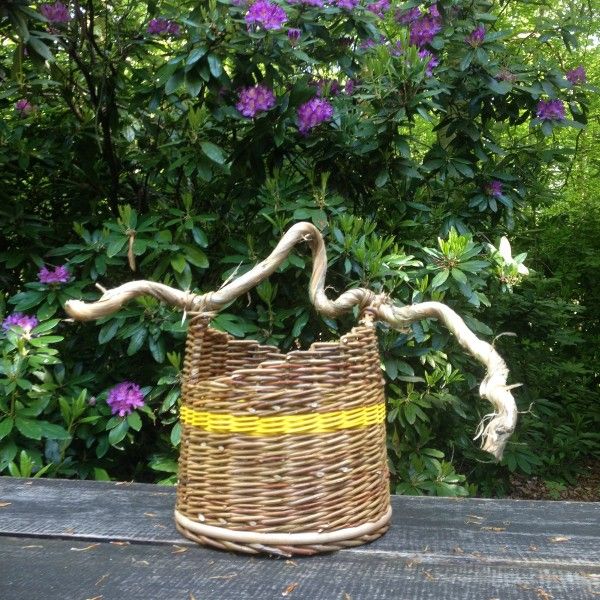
[440,278]
[44,327]
[25,464]
[410,412]
[214,64]
[134,421]
[196,257]
[195,55]
[300,323]
[108,331]
[167,465]
[382,178]
[6,426]
[466,61]
[115,245]
[41,48]
[26,300]
[193,83]
[101,474]
[29,428]
[214,152]
[117,434]
[458,275]
[157,349]
[178,263]
[199,237]
[137,340]
[176,434]
[500,87]
[53,432]
[174,81]
[41,342]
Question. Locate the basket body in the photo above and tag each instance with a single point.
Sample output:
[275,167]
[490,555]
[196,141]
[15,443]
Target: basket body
[282,454]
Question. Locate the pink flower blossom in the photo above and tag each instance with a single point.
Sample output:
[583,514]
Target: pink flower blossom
[57,275]
[124,398]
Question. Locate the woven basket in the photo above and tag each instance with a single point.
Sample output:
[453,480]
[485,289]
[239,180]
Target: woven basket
[286,454]
[282,454]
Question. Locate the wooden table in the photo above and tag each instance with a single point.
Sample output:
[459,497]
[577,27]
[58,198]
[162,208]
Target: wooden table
[77,540]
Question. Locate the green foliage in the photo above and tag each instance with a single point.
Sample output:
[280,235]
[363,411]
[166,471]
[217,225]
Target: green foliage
[134,162]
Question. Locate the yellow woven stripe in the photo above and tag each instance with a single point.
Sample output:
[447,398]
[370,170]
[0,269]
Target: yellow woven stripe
[352,418]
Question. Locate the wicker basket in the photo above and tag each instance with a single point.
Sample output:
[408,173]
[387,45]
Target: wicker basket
[286,454]
[282,454]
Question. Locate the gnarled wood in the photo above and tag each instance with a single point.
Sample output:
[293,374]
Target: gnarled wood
[495,428]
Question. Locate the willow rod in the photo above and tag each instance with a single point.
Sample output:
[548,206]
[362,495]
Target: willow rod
[495,428]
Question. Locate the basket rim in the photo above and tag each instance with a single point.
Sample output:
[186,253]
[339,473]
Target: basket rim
[292,539]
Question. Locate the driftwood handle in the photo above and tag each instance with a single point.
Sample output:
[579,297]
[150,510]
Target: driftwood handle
[495,429]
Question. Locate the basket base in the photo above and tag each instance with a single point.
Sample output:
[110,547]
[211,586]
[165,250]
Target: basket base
[281,544]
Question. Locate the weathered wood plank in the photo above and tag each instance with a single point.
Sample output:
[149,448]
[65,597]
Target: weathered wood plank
[56,569]
[490,531]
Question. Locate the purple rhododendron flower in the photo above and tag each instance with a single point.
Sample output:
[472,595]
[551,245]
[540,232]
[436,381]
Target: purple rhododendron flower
[494,188]
[379,7]
[424,30]
[312,113]
[58,275]
[55,13]
[163,27]
[254,100]
[293,35]
[432,61]
[267,14]
[349,87]
[476,37]
[23,106]
[406,17]
[576,76]
[550,110]
[434,12]
[317,3]
[18,319]
[347,4]
[125,397]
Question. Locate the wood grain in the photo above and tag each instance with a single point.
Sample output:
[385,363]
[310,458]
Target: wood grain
[506,529]
[67,569]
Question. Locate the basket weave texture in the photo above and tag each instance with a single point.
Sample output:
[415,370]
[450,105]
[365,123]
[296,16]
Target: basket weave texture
[282,454]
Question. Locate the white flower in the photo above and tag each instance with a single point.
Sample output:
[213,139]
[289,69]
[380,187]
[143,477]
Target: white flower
[504,250]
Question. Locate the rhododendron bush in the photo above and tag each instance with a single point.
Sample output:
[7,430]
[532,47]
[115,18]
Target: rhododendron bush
[176,141]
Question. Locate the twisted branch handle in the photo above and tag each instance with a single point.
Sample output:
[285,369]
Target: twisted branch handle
[500,423]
